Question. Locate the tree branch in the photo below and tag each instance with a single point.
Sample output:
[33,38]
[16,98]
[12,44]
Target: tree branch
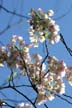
[64,43]
[14,13]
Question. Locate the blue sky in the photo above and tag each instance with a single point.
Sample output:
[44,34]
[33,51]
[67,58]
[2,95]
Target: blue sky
[60,7]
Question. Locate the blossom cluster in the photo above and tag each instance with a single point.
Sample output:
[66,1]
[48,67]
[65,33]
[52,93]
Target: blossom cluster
[57,67]
[11,53]
[46,76]
[47,83]
[43,27]
[51,82]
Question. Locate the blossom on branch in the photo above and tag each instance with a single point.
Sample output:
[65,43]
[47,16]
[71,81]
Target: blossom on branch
[45,74]
[57,67]
[43,27]
[46,83]
[49,85]
[69,75]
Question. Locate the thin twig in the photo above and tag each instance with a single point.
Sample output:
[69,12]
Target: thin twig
[14,13]
[65,14]
[10,26]
[63,41]
[46,106]
[67,96]
[66,100]
[24,96]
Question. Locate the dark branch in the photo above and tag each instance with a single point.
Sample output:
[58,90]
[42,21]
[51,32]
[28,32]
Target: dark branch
[10,26]
[24,96]
[66,100]
[14,13]
[67,96]
[64,43]
[46,106]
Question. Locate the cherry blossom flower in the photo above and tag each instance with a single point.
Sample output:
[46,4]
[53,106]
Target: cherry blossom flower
[42,27]
[50,13]
[53,83]
[24,105]
[3,55]
[37,57]
[69,75]
[2,103]
[49,85]
[1,65]
[11,53]
[57,67]
[54,39]
[40,11]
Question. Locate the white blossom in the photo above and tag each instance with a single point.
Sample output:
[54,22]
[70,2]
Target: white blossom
[24,105]
[40,11]
[45,16]
[51,97]
[40,30]
[43,67]
[62,91]
[69,75]
[50,13]
[1,65]
[54,39]
[20,38]
[57,67]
